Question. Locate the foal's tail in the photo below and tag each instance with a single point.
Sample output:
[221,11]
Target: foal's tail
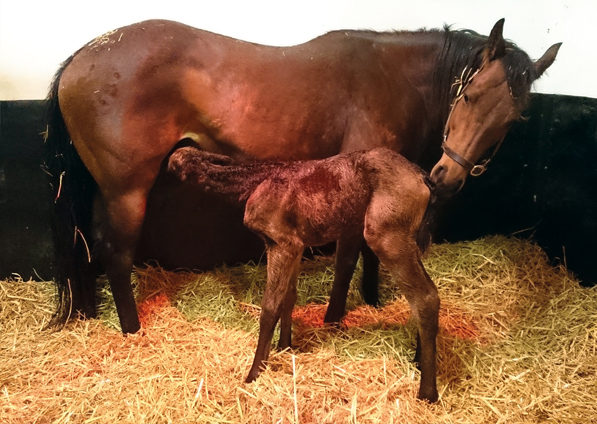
[428,223]
[72,188]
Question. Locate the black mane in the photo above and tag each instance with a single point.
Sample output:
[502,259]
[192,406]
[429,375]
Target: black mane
[464,49]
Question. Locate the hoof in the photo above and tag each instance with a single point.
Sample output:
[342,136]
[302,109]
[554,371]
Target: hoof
[131,328]
[430,396]
[251,378]
[253,374]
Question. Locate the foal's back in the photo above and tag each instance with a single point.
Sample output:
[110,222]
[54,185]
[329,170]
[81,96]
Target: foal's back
[320,201]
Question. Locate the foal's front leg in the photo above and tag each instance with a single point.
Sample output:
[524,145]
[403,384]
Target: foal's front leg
[423,298]
[282,269]
[400,254]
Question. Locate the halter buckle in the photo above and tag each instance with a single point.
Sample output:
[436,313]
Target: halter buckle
[478,169]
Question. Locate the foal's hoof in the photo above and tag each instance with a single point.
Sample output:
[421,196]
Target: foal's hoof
[253,374]
[333,325]
[333,317]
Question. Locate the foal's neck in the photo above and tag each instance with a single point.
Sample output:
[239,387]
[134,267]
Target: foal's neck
[235,183]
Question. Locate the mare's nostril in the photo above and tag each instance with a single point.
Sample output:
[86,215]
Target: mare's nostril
[437,173]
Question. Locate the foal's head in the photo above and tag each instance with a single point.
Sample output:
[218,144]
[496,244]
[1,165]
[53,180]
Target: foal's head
[486,102]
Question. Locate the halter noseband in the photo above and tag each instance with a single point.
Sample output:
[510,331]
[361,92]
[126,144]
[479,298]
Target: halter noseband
[473,169]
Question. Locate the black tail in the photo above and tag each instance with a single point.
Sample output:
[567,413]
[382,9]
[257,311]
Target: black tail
[72,188]
[428,224]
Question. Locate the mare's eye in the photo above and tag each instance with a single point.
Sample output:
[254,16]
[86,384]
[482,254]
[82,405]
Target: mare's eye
[465,98]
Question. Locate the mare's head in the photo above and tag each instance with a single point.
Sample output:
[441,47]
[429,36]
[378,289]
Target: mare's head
[489,94]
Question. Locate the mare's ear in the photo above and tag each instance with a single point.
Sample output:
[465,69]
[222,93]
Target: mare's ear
[546,60]
[496,46]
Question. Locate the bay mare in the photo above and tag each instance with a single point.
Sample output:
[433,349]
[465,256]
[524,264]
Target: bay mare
[119,105]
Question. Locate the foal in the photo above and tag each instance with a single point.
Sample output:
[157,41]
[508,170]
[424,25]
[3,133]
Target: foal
[374,194]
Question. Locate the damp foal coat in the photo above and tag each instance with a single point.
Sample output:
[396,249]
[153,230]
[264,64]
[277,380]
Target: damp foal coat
[374,194]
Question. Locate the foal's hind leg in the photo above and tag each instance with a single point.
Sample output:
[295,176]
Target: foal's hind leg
[119,227]
[282,266]
[347,255]
[285,340]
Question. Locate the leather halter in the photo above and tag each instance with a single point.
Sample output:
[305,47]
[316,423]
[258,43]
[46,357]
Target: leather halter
[473,169]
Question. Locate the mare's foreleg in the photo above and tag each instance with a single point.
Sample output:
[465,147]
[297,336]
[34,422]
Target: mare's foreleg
[278,300]
[347,255]
[398,251]
[119,225]
[370,280]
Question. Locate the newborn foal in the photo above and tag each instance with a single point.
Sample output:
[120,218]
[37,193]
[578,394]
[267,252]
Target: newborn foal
[292,205]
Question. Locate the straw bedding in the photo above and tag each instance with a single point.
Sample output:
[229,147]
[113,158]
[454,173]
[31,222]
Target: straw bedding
[517,345]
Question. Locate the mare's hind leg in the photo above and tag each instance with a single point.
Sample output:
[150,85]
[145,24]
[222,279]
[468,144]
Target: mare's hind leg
[118,226]
[347,255]
[399,252]
[282,265]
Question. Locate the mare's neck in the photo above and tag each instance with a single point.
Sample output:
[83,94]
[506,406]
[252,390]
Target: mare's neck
[431,61]
[416,56]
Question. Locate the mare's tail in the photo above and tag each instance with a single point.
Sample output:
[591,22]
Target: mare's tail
[428,224]
[72,188]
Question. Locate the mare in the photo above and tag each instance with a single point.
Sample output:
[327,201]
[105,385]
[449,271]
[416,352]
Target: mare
[119,105]
[373,194]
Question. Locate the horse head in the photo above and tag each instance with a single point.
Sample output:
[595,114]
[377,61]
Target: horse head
[486,101]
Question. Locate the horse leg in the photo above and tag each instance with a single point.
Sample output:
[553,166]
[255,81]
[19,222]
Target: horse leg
[427,303]
[370,281]
[285,340]
[347,255]
[118,227]
[400,254]
[282,263]
[423,299]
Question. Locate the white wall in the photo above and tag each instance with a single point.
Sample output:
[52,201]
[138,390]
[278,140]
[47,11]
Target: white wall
[36,36]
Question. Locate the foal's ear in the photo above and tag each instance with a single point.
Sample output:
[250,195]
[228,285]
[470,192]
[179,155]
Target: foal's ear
[496,46]
[546,60]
